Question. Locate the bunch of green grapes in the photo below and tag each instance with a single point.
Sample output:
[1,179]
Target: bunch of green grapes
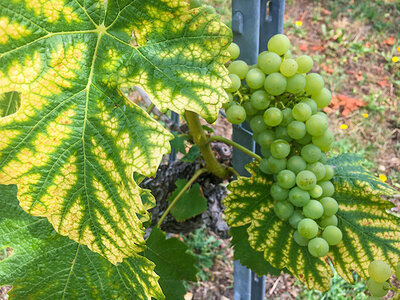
[283,102]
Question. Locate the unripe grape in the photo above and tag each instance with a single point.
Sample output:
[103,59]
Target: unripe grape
[276,164]
[283,209]
[316,125]
[264,166]
[298,197]
[257,124]
[328,188]
[255,78]
[233,50]
[260,100]
[250,110]
[273,116]
[316,192]
[279,44]
[296,84]
[235,83]
[377,289]
[310,103]
[397,271]
[326,221]
[305,63]
[268,62]
[330,206]
[236,114]
[329,172]
[313,209]
[288,67]
[296,130]
[295,218]
[265,138]
[281,133]
[306,180]
[286,179]
[275,84]
[314,84]
[287,116]
[278,193]
[379,271]
[296,164]
[323,98]
[332,234]
[299,239]
[308,228]
[301,112]
[280,148]
[318,169]
[310,153]
[238,67]
[318,247]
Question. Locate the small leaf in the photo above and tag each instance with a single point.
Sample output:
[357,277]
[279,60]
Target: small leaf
[192,155]
[10,102]
[178,143]
[173,263]
[369,232]
[249,257]
[191,203]
[44,264]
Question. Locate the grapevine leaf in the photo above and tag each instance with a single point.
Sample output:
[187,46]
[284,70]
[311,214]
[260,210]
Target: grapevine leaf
[249,257]
[9,103]
[75,142]
[191,203]
[44,264]
[178,143]
[173,263]
[369,232]
[192,155]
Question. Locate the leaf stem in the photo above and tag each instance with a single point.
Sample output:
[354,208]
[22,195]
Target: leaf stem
[233,171]
[150,108]
[234,144]
[200,139]
[182,191]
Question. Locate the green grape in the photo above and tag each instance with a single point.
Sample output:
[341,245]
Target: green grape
[314,84]
[299,239]
[234,51]
[273,116]
[301,112]
[324,141]
[260,100]
[296,164]
[296,84]
[276,164]
[255,78]
[264,166]
[210,9]
[296,130]
[310,153]
[323,98]
[329,173]
[379,271]
[250,110]
[326,221]
[332,234]
[298,197]
[306,180]
[265,152]
[323,158]
[286,179]
[278,193]
[257,124]
[280,148]
[308,228]
[330,206]
[229,103]
[318,247]
[313,209]
[268,62]
[316,125]
[288,67]
[328,188]
[238,67]
[316,192]
[235,83]
[377,289]
[275,84]
[265,138]
[318,169]
[281,133]
[236,114]
[295,218]
[305,63]
[304,140]
[397,271]
[279,44]
[287,116]
[310,103]
[283,210]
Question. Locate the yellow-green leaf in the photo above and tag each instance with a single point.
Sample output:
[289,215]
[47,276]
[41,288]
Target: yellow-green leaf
[369,232]
[10,102]
[75,142]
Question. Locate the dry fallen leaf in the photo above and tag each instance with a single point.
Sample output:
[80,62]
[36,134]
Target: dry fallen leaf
[345,104]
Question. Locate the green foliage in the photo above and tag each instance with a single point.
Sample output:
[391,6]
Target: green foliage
[178,143]
[206,249]
[369,232]
[10,102]
[173,263]
[191,203]
[75,142]
[192,155]
[44,264]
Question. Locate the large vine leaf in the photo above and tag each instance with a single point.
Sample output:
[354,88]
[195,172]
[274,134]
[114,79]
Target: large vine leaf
[46,265]
[369,231]
[75,142]
[173,263]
